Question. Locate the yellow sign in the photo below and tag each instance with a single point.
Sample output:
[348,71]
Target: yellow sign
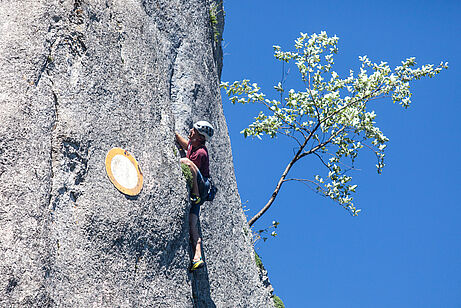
[124,172]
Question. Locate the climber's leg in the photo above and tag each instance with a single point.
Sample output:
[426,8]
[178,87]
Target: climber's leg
[193,168]
[195,237]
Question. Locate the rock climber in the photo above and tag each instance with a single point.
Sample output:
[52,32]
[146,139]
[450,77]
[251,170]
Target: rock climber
[198,162]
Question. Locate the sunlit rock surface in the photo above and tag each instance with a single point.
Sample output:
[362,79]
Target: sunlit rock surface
[78,78]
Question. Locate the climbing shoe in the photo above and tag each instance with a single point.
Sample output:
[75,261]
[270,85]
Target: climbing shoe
[197,264]
[195,199]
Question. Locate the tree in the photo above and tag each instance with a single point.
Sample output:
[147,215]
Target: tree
[330,117]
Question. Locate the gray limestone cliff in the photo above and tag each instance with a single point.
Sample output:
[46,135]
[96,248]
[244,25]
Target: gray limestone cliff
[78,78]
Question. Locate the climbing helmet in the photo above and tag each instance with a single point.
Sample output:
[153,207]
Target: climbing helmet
[204,128]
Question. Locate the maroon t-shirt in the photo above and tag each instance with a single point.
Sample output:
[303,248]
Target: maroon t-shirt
[199,156]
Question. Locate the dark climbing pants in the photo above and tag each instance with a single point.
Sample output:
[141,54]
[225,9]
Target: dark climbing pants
[203,188]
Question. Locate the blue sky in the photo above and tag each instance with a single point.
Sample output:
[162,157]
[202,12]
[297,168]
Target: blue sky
[404,250]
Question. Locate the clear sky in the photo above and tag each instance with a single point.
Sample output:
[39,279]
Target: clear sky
[404,249]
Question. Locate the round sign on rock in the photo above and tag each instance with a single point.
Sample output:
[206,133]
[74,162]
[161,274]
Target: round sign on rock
[124,172]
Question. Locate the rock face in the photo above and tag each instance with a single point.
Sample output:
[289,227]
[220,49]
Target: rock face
[79,78]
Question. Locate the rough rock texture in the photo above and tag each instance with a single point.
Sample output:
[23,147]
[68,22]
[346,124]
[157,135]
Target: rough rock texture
[78,78]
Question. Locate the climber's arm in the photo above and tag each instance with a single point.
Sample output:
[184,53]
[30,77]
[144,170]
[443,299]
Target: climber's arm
[182,141]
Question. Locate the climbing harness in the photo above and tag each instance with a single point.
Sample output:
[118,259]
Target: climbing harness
[211,191]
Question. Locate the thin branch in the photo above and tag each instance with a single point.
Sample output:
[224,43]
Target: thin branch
[282,81]
[321,159]
[345,165]
[312,96]
[303,181]
[371,148]
[291,136]
[377,156]
[321,145]
[278,115]
[365,99]
[350,169]
[308,88]
[302,129]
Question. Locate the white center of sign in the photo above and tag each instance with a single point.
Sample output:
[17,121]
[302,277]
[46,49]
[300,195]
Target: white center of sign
[124,171]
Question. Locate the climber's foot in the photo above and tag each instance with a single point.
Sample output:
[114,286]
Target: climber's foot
[196,264]
[194,199]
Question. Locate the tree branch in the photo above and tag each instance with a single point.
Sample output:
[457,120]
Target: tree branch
[291,136]
[282,178]
[275,193]
[304,182]
[345,165]
[321,145]
[279,116]
[365,99]
[310,93]
[298,156]
[321,159]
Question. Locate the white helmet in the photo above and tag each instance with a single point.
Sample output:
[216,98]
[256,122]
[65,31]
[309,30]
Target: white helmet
[205,129]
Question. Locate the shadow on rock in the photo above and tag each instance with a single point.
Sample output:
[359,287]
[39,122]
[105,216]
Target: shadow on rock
[201,289]
[200,282]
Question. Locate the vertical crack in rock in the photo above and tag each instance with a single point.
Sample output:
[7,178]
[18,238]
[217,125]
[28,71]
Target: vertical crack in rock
[54,122]
[118,25]
[50,43]
[45,64]
[120,39]
[75,39]
[56,104]
[73,156]
[176,49]
[68,34]
[52,30]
